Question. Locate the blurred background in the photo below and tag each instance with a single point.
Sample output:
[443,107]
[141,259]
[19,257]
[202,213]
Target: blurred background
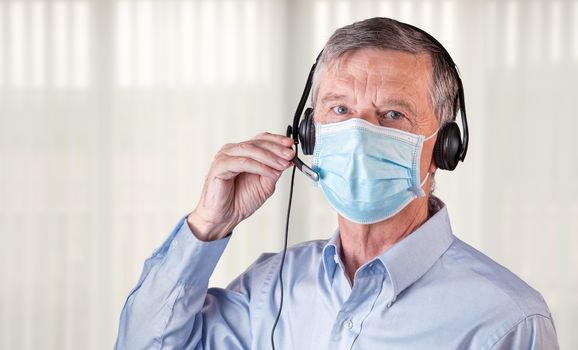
[111,112]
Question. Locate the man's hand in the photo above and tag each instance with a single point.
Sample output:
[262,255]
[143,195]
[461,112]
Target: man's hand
[240,179]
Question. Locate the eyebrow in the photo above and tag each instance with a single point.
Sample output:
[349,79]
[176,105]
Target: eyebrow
[332,97]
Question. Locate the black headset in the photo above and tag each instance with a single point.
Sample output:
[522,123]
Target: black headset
[449,149]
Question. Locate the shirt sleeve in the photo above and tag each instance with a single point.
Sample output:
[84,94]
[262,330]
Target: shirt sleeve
[535,332]
[171,303]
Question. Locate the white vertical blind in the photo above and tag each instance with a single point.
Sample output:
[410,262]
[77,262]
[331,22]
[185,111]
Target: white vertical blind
[111,111]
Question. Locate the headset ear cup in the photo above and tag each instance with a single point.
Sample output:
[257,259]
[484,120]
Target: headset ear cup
[448,146]
[437,152]
[307,132]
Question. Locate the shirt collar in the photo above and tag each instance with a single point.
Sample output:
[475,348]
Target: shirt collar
[331,254]
[409,259]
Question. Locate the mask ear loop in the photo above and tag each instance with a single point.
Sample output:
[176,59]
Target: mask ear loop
[424,140]
[424,180]
[432,135]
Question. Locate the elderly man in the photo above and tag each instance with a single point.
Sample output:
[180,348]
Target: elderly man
[393,276]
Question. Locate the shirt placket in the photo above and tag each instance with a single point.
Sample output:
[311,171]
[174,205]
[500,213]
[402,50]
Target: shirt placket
[349,320]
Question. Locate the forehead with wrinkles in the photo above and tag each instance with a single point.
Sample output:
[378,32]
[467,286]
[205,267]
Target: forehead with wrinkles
[374,76]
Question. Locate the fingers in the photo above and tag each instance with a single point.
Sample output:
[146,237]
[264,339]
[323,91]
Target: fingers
[280,139]
[267,152]
[227,167]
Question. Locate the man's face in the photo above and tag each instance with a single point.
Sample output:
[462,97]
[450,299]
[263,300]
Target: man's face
[387,88]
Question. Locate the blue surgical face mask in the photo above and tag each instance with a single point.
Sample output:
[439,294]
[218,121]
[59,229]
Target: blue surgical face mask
[368,173]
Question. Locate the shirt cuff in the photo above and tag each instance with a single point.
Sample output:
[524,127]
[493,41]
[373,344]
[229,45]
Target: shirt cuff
[190,260]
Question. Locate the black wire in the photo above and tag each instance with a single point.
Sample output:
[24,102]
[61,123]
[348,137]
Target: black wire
[283,259]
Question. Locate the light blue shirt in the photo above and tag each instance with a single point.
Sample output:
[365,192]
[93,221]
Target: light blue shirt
[429,291]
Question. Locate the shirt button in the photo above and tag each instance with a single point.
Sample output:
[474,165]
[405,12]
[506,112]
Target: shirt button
[348,324]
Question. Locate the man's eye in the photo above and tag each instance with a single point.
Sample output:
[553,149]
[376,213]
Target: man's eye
[393,115]
[341,110]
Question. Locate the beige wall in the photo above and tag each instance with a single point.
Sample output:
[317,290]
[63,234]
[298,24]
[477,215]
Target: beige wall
[110,112]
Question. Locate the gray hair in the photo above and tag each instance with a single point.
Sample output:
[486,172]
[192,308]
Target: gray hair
[389,34]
